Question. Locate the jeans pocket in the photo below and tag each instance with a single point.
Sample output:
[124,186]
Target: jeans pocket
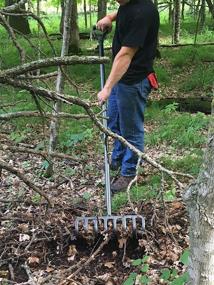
[145,88]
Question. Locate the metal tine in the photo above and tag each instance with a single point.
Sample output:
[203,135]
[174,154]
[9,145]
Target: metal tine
[96,224]
[105,220]
[124,222]
[85,224]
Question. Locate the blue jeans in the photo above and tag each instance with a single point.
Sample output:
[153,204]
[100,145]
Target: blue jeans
[125,112]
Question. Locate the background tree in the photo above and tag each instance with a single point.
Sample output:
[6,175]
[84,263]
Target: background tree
[18,23]
[176,21]
[74,45]
[102,6]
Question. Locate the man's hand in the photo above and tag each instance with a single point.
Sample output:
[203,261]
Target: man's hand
[104,24]
[103,95]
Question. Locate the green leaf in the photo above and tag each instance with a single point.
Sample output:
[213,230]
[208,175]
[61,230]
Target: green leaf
[137,262]
[174,272]
[145,258]
[165,274]
[69,171]
[131,279]
[145,268]
[144,280]
[86,195]
[185,257]
[45,164]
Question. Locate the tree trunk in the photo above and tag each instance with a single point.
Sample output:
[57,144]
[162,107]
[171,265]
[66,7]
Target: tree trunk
[211,7]
[18,23]
[170,12]
[200,203]
[74,46]
[85,13]
[62,16]
[54,126]
[176,22]
[183,9]
[202,14]
[90,18]
[102,6]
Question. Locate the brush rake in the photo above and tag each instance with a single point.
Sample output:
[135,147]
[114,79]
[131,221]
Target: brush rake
[108,222]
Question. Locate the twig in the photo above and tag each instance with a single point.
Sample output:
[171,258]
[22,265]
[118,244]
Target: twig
[12,277]
[13,37]
[41,153]
[131,183]
[29,274]
[70,277]
[15,171]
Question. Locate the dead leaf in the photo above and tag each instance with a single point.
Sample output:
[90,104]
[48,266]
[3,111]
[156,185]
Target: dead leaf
[24,237]
[33,261]
[23,227]
[49,269]
[109,264]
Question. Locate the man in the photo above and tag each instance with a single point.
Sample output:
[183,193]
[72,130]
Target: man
[130,80]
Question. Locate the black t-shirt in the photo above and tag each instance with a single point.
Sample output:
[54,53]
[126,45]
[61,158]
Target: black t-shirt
[137,25]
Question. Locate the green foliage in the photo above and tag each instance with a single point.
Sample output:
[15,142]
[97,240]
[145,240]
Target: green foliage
[190,163]
[131,279]
[201,78]
[180,130]
[185,257]
[144,267]
[36,198]
[71,139]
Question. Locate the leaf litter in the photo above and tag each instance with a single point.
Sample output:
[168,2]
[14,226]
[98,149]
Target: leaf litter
[43,238]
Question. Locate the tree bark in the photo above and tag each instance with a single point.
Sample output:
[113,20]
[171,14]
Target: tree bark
[54,126]
[211,7]
[74,45]
[18,23]
[102,6]
[85,13]
[176,22]
[202,14]
[200,203]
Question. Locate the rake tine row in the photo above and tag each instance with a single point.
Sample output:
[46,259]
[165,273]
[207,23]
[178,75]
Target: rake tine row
[114,220]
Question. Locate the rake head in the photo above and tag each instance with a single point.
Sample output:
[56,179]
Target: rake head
[104,223]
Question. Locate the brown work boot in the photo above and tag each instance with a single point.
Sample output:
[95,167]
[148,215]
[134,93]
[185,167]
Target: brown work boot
[121,183]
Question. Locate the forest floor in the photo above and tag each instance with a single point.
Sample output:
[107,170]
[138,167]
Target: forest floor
[38,244]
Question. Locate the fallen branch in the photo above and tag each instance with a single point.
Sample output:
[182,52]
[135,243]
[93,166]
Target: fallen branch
[41,153]
[22,177]
[54,61]
[12,104]
[9,116]
[36,77]
[86,105]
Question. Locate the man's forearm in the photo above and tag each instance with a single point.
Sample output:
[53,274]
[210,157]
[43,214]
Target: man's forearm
[120,66]
[112,16]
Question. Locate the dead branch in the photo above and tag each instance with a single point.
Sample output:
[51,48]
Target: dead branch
[41,153]
[54,61]
[22,177]
[12,104]
[86,105]
[62,115]
[184,45]
[41,76]
[14,7]
[13,37]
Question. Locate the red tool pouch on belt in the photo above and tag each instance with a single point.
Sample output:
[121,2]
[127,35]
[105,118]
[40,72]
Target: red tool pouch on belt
[153,80]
